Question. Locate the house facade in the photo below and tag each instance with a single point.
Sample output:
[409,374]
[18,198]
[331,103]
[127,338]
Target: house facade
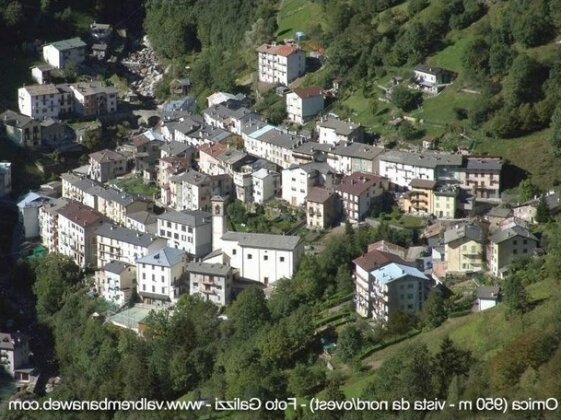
[298,179]
[506,245]
[94,98]
[212,282]
[464,249]
[357,192]
[107,164]
[280,63]
[21,129]
[304,103]
[188,230]
[115,282]
[323,208]
[161,276]
[483,177]
[60,53]
[272,144]
[333,131]
[266,185]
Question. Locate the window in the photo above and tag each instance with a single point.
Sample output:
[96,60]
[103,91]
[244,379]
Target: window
[233,252]
[281,259]
[525,251]
[515,251]
[169,224]
[143,276]
[525,242]
[163,279]
[514,242]
[265,258]
[183,228]
[249,256]
[153,289]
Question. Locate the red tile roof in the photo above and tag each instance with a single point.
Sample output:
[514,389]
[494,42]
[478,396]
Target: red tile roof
[318,195]
[358,183]
[213,150]
[388,247]
[140,140]
[376,259]
[308,91]
[282,50]
[79,214]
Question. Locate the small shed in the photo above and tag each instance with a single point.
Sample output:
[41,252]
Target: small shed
[487,297]
[179,86]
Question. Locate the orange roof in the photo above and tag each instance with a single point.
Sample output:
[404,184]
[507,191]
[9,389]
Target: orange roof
[282,50]
[213,149]
[80,214]
[308,91]
[285,50]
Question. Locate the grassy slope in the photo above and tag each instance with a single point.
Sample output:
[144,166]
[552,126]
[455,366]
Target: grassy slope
[482,333]
[297,15]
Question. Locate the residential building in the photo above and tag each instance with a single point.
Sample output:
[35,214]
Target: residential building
[48,222]
[188,230]
[21,129]
[280,63]
[333,131]
[304,103]
[69,51]
[117,243]
[41,101]
[186,132]
[506,245]
[28,207]
[526,212]
[273,144]
[350,157]
[5,178]
[420,198]
[298,179]
[212,282]
[386,284]
[266,185]
[76,229]
[182,125]
[323,208]
[107,164]
[189,191]
[115,282]
[445,201]
[358,191]
[94,98]
[401,167]
[487,297]
[259,257]
[170,166]
[230,116]
[161,277]
[117,205]
[41,73]
[177,108]
[431,79]
[464,249]
[54,135]
[14,353]
[143,221]
[79,188]
[177,149]
[483,177]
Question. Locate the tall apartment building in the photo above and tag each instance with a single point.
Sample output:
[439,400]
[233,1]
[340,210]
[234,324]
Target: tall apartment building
[280,63]
[357,193]
[188,230]
[94,98]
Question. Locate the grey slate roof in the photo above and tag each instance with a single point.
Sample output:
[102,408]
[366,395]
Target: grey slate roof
[192,218]
[14,119]
[116,267]
[488,292]
[144,217]
[123,234]
[165,257]
[174,148]
[112,194]
[67,44]
[191,177]
[341,127]
[514,231]
[215,269]
[263,240]
[424,160]
[484,164]
[357,150]
[311,147]
[321,167]
[470,232]
[280,138]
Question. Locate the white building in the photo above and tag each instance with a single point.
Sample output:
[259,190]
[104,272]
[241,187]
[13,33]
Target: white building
[221,97]
[266,185]
[116,243]
[14,353]
[358,191]
[487,297]
[161,277]
[94,98]
[5,178]
[59,53]
[273,144]
[188,230]
[41,73]
[48,222]
[115,282]
[107,164]
[143,221]
[213,282]
[280,63]
[304,103]
[401,167]
[21,129]
[298,179]
[76,232]
[230,116]
[260,257]
[28,207]
[117,205]
[332,130]
[41,101]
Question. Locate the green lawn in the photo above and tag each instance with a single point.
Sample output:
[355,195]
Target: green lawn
[136,186]
[298,15]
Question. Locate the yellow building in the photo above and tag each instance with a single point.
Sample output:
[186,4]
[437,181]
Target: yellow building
[464,249]
[420,199]
[445,202]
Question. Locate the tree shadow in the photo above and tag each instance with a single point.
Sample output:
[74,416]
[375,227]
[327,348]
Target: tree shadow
[283,32]
[512,175]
